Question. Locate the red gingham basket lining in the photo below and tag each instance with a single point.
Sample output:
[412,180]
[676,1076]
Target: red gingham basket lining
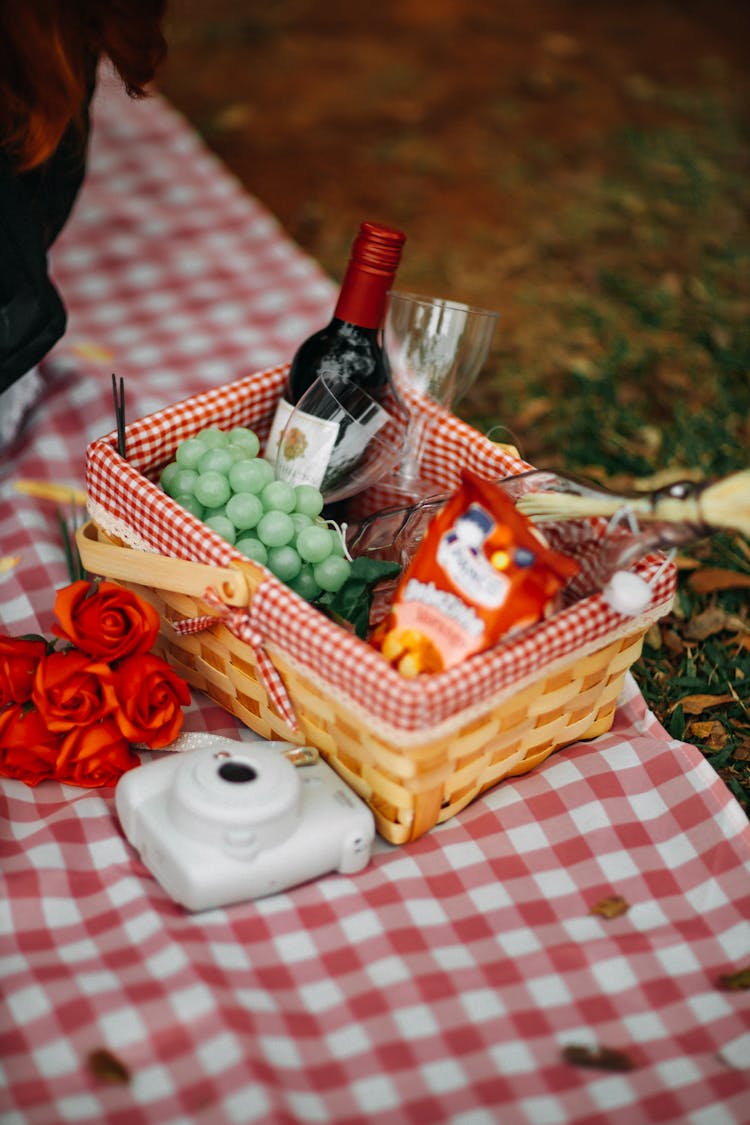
[151,441]
[358,674]
[348,665]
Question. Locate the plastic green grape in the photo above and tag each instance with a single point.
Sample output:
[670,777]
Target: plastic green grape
[250,475]
[337,547]
[275,529]
[279,496]
[284,562]
[187,501]
[236,452]
[244,510]
[246,439]
[219,510]
[216,460]
[309,500]
[252,548]
[332,573]
[189,452]
[212,437]
[305,585]
[300,520]
[183,482]
[314,544]
[168,473]
[222,526]
[212,489]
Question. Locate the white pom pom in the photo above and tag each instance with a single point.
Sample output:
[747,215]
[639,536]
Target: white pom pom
[627,593]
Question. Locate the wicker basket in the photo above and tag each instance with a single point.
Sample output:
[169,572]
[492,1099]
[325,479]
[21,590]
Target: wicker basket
[417,753]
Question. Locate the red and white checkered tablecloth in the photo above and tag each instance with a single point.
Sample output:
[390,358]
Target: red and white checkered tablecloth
[444,982]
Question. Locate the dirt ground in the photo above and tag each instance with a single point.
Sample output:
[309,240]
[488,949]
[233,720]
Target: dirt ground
[503,138]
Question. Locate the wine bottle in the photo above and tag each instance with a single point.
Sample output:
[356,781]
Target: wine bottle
[349,349]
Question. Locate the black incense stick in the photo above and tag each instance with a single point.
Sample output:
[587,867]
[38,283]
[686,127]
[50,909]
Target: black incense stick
[119,413]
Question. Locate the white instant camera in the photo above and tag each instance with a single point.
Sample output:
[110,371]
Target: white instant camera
[232,821]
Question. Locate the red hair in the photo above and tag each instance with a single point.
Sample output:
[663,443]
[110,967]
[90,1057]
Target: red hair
[48,52]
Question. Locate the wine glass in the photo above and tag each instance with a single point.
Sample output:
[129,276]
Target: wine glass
[339,439]
[435,348]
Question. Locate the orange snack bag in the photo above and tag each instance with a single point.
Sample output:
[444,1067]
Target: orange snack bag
[482,571]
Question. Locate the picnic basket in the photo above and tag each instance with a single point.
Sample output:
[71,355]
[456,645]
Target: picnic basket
[417,751]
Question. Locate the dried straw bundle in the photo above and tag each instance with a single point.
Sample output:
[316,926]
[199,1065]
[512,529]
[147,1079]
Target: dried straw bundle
[705,507]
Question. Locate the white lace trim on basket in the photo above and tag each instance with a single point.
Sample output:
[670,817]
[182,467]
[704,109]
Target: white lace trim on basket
[117,528]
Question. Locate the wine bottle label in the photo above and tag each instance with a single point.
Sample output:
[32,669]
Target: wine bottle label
[301,452]
[330,453]
[280,419]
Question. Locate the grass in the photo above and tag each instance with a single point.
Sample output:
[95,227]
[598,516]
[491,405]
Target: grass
[633,363]
[695,668]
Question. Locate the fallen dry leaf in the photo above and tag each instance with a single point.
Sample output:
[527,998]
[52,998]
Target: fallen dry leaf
[711,578]
[686,562]
[713,620]
[712,734]
[611,907]
[108,1067]
[697,704]
[742,751]
[673,641]
[603,1058]
[735,982]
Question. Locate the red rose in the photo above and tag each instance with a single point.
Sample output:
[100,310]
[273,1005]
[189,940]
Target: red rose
[147,697]
[68,690]
[107,621]
[18,661]
[94,756]
[28,749]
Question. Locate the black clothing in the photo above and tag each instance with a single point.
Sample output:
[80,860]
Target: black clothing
[33,209]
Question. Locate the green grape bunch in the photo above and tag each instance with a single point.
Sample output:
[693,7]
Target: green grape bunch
[220,477]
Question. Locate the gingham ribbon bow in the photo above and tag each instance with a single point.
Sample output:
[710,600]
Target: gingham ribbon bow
[239,622]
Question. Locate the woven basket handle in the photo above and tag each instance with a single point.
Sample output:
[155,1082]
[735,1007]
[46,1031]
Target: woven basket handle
[101,555]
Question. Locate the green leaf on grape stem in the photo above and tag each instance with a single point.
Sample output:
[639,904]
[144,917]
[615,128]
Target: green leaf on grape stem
[353,601]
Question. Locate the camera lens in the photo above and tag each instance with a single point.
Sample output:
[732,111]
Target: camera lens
[237,772]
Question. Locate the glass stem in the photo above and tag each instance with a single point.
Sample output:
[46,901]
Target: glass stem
[413,447]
